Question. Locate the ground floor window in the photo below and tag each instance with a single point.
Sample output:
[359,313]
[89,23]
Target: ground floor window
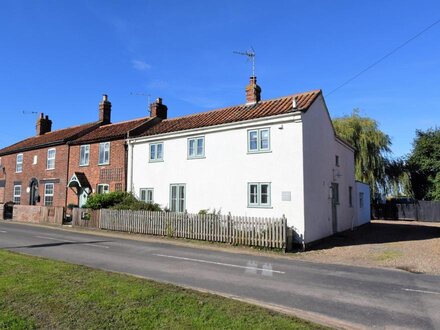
[48,194]
[177,198]
[259,194]
[147,195]
[17,194]
[102,188]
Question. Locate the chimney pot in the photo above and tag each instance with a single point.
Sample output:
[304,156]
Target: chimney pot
[253,91]
[157,109]
[44,124]
[105,108]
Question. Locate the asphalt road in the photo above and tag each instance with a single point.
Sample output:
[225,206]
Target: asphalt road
[354,296]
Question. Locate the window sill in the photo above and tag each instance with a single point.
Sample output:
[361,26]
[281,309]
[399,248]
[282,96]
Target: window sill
[104,164]
[84,165]
[259,152]
[201,157]
[156,161]
[50,169]
[260,207]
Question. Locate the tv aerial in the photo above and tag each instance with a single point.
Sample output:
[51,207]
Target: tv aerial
[148,99]
[250,54]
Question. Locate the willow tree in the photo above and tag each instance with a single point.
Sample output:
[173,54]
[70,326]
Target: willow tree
[371,148]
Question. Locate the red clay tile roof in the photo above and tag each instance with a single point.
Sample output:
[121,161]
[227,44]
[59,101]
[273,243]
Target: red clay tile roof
[235,114]
[57,137]
[111,131]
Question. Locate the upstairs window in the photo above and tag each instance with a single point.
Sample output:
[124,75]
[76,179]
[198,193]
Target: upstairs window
[102,188]
[51,158]
[17,194]
[196,147]
[259,194]
[104,153]
[84,155]
[48,194]
[19,163]
[337,160]
[156,152]
[259,140]
[147,195]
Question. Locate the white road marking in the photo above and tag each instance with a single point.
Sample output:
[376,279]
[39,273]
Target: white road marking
[421,291]
[219,263]
[3,231]
[56,239]
[100,246]
[66,240]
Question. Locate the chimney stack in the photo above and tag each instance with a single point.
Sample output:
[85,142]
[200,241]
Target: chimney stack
[157,109]
[44,125]
[105,108]
[253,92]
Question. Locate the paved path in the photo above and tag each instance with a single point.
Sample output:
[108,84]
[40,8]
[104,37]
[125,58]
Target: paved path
[354,296]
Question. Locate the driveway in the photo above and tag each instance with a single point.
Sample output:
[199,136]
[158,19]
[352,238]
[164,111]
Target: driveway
[407,245]
[340,295]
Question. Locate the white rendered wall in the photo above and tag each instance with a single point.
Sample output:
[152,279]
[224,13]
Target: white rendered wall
[320,170]
[363,213]
[220,180]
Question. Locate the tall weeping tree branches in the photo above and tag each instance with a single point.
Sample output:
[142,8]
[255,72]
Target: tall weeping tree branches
[371,148]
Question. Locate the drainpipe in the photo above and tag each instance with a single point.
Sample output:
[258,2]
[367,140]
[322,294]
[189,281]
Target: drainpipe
[130,154]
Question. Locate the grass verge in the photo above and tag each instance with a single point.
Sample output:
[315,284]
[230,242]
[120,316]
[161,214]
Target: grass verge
[40,293]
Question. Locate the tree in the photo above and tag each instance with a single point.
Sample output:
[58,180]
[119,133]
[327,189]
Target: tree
[424,165]
[371,147]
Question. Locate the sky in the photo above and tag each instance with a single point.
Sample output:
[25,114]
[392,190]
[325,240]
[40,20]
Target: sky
[59,57]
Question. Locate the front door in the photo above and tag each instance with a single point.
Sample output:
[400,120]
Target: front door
[82,197]
[33,192]
[335,202]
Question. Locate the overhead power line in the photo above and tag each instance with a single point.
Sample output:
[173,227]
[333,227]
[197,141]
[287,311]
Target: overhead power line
[384,57]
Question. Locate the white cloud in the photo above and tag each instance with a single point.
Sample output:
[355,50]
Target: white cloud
[140,65]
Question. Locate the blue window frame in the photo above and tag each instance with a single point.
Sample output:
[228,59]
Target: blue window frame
[196,147]
[156,152]
[259,140]
[259,194]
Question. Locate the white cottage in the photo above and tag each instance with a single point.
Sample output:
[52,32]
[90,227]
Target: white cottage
[263,158]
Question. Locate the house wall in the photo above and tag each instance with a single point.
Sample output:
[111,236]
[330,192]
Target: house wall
[320,170]
[364,212]
[113,174]
[220,180]
[57,176]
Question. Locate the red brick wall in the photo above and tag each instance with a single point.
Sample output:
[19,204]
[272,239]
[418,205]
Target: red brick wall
[113,174]
[39,172]
[38,214]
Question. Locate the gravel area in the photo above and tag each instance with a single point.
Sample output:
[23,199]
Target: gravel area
[407,245]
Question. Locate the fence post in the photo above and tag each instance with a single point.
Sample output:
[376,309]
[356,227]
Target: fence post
[229,228]
[284,233]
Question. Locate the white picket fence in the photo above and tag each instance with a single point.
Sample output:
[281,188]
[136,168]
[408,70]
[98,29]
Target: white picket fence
[252,231]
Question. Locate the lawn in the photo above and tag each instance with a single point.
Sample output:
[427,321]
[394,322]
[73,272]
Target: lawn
[40,293]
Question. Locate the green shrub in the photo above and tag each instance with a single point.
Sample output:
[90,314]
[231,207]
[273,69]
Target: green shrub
[120,201]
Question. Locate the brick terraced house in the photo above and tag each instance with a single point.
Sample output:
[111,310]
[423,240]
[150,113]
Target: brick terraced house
[98,160]
[34,171]
[55,168]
